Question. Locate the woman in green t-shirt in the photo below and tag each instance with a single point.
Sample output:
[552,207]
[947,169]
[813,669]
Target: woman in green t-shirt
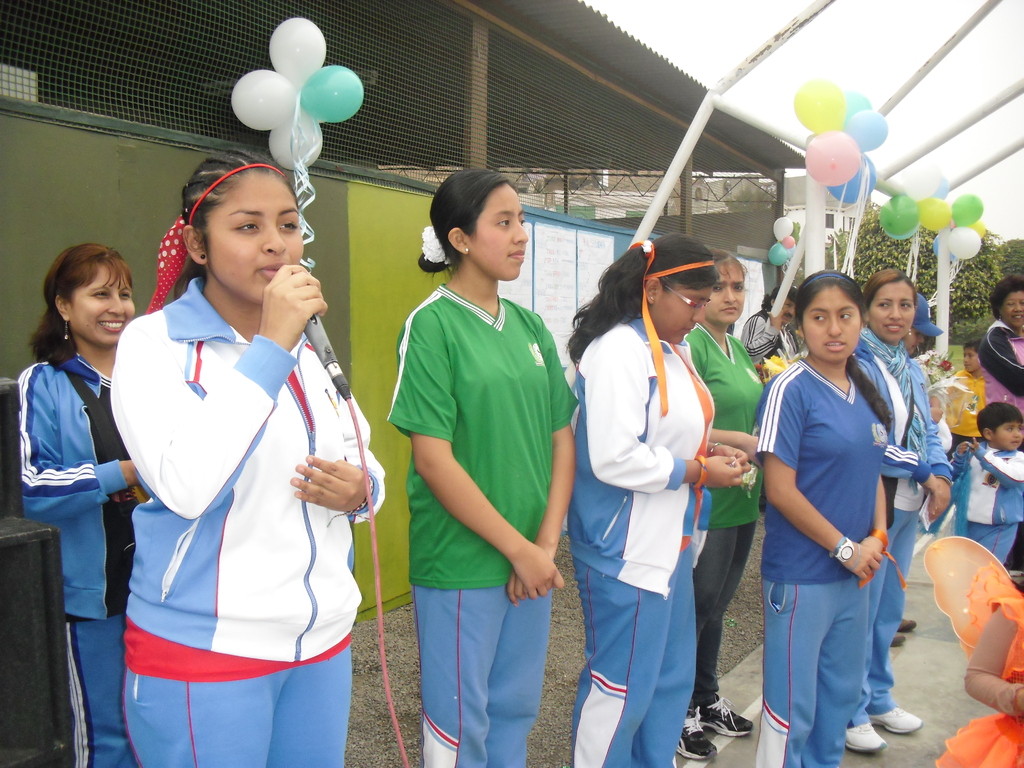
[724,365]
[482,394]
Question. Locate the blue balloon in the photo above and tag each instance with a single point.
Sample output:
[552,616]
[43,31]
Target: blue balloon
[943,189]
[848,192]
[935,246]
[869,129]
[332,94]
[778,254]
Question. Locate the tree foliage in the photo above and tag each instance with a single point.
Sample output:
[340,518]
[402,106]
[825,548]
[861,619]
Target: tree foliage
[971,287]
[1012,252]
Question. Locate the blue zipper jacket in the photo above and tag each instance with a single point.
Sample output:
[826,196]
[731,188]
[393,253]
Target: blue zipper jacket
[61,483]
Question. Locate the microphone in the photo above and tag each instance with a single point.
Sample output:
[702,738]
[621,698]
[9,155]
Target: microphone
[317,337]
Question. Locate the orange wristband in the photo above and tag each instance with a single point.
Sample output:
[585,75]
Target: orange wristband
[882,536]
[703,471]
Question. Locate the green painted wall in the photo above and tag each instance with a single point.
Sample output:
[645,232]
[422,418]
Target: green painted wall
[384,244]
[60,186]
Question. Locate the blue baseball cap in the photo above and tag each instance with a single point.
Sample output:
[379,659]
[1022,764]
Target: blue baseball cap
[922,318]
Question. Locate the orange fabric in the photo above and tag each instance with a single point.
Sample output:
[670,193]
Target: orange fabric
[707,407]
[652,334]
[996,741]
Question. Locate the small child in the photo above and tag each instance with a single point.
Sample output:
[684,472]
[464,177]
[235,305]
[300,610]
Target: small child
[996,497]
[964,424]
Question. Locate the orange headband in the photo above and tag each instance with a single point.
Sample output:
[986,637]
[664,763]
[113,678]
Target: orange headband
[652,334]
[192,213]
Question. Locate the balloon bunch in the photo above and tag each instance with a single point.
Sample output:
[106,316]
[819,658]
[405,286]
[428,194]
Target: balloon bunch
[924,205]
[291,100]
[781,252]
[846,127]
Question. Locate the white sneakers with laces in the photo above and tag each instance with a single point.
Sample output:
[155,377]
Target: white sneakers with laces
[863,738]
[897,721]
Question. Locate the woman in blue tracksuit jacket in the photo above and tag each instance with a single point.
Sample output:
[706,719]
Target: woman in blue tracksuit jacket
[891,298]
[74,479]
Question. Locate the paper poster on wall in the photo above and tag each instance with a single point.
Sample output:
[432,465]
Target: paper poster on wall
[554,250]
[754,293]
[521,290]
[593,255]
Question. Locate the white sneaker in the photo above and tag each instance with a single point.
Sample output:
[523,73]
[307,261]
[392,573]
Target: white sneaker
[897,721]
[862,738]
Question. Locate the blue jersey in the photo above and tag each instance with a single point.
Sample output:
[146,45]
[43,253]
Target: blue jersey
[836,443]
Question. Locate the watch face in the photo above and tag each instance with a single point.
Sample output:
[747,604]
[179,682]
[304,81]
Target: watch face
[845,553]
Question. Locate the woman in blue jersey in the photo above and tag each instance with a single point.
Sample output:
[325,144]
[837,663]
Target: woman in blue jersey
[644,457]
[925,472]
[76,475]
[483,397]
[822,441]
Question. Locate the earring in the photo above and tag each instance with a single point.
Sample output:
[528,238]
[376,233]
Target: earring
[66,329]
[202,256]
[467,250]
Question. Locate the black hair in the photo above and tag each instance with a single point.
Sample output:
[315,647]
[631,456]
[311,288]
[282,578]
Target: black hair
[1006,286]
[620,291]
[209,171]
[972,344]
[457,204]
[769,300]
[994,415]
[884,277]
[810,288]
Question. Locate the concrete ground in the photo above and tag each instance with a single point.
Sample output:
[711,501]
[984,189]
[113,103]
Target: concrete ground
[929,671]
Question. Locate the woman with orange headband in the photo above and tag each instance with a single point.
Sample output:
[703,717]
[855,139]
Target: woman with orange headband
[643,459]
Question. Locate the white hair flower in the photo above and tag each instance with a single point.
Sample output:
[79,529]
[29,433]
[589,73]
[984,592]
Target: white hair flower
[432,250]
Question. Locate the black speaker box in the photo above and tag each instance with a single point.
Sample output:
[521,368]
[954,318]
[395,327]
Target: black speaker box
[35,716]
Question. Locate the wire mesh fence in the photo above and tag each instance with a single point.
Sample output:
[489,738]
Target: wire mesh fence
[444,89]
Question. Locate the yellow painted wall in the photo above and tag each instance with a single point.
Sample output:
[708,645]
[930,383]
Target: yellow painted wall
[386,285]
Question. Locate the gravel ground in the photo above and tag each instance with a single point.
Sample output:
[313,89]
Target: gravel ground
[371,739]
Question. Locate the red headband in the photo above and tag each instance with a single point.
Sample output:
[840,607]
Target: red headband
[192,213]
[652,334]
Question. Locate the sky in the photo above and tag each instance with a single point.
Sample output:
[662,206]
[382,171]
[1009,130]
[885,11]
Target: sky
[870,46]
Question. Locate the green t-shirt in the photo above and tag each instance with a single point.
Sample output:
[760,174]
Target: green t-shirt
[495,389]
[736,389]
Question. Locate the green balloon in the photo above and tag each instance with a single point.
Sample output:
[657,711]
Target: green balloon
[899,217]
[967,209]
[332,94]
[855,102]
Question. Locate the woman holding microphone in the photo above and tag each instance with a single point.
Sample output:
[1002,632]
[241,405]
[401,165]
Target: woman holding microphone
[242,596]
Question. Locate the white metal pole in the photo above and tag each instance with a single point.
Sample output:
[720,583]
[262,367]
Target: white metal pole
[983,166]
[942,280]
[986,109]
[938,56]
[813,232]
[707,106]
[788,277]
[724,105]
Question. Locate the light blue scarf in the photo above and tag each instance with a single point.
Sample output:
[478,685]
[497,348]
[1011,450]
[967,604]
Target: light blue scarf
[897,363]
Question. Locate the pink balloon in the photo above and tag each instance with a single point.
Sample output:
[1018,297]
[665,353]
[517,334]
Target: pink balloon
[833,158]
[788,241]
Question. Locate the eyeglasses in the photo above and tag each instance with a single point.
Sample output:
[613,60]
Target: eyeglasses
[695,305]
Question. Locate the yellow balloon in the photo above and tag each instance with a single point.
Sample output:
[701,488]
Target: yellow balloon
[821,106]
[934,213]
[979,227]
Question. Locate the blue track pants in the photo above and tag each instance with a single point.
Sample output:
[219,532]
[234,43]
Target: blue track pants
[885,612]
[296,717]
[814,650]
[96,667]
[482,670]
[640,658]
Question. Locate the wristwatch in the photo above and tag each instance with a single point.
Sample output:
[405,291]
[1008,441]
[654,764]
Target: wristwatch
[844,550]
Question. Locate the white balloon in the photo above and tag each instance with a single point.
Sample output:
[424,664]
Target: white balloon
[783,227]
[297,50]
[308,142]
[964,243]
[922,180]
[263,99]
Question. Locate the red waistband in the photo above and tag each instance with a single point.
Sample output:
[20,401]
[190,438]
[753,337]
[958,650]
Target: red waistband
[152,656]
